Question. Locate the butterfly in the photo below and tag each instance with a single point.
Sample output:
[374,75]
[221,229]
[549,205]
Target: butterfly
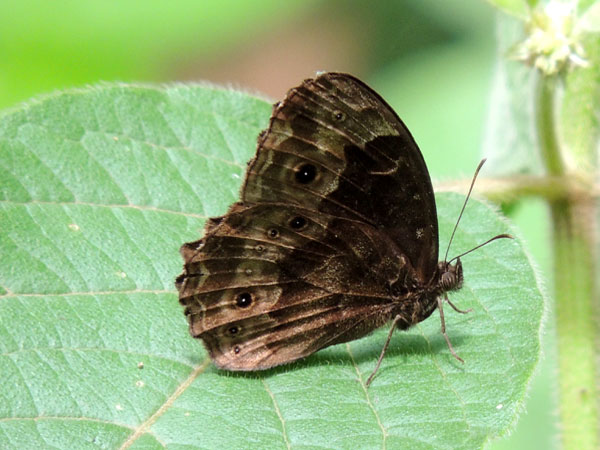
[335,234]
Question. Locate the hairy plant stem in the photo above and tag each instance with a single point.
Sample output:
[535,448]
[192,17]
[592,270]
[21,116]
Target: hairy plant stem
[516,187]
[573,231]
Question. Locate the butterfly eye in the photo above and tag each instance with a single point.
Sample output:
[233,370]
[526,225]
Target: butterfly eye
[244,300]
[306,173]
[273,233]
[298,222]
[233,330]
[339,116]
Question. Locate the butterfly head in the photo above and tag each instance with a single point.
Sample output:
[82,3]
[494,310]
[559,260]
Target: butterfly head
[451,276]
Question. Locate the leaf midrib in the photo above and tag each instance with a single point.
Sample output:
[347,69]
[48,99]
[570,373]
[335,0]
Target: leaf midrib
[145,426]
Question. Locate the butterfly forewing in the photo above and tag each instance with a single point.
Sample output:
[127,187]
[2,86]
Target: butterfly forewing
[366,164]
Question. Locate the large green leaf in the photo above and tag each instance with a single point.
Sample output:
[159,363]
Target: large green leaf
[99,189]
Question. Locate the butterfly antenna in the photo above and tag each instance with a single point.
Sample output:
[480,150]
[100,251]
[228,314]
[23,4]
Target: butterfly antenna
[463,209]
[500,236]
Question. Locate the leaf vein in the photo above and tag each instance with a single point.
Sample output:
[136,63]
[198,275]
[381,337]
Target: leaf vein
[384,432]
[145,426]
[278,412]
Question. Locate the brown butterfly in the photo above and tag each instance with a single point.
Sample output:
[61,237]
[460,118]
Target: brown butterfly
[335,234]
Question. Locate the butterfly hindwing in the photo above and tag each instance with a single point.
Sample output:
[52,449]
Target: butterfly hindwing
[259,298]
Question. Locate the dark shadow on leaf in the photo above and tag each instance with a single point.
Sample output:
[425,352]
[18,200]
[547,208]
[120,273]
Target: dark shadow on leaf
[403,346]
[407,346]
[267,373]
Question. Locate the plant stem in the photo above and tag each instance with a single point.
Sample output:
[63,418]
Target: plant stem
[573,248]
[516,187]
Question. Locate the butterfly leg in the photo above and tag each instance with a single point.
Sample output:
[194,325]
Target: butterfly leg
[384,349]
[440,303]
[455,308]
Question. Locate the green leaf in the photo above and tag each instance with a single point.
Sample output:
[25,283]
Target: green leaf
[581,108]
[583,7]
[100,187]
[590,19]
[510,140]
[517,8]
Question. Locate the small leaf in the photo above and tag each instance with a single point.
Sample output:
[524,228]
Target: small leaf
[509,139]
[101,187]
[517,8]
[580,108]
[590,19]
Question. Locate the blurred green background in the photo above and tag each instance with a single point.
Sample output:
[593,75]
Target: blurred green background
[432,61]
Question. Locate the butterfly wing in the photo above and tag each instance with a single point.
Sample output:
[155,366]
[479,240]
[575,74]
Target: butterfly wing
[259,299]
[334,145]
[329,211]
